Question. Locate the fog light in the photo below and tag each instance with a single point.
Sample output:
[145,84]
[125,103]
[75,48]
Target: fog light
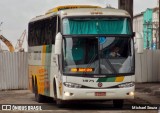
[130,93]
[68,94]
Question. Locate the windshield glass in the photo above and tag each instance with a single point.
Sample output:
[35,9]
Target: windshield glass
[110,25]
[98,55]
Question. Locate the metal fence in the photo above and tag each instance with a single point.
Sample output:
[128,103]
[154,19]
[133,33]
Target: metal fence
[14,69]
[148,66]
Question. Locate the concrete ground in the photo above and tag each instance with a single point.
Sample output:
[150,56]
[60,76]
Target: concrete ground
[149,92]
[153,88]
[146,93]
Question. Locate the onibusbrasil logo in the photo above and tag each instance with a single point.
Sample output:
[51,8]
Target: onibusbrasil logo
[21,107]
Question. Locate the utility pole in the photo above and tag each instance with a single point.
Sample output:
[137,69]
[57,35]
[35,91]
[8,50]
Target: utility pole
[126,5]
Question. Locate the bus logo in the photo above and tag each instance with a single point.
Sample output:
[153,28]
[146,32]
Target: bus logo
[100,84]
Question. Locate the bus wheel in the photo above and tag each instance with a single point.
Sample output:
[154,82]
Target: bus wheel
[60,103]
[39,98]
[118,103]
[33,89]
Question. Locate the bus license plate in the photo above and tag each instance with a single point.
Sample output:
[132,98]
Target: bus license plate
[100,93]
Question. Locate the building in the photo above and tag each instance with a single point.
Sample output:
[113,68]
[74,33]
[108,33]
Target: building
[147,23]
[156,27]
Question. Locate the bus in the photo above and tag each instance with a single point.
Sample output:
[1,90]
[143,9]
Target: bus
[82,53]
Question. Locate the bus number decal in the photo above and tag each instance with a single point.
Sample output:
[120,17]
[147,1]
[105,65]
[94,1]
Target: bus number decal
[87,80]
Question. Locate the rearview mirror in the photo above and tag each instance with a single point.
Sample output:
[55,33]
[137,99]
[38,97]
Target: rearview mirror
[58,44]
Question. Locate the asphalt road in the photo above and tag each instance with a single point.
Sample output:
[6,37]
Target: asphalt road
[23,97]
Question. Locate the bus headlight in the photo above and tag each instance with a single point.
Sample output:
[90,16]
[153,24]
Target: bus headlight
[72,85]
[125,85]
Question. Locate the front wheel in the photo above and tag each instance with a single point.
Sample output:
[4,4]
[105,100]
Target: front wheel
[60,103]
[118,103]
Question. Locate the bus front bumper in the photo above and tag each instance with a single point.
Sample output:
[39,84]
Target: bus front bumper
[98,94]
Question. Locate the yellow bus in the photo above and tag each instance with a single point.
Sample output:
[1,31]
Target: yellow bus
[82,53]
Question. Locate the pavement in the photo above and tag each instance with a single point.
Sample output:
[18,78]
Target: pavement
[149,93]
[142,90]
[146,93]
[152,88]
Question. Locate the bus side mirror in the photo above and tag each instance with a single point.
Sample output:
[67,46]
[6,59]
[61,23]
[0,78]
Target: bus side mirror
[58,44]
[139,43]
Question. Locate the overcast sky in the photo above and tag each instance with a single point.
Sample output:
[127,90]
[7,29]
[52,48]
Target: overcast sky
[15,14]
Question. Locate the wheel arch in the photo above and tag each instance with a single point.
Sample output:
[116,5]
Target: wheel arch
[54,87]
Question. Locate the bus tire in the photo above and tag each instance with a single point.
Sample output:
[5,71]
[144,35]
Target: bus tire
[118,103]
[60,103]
[39,98]
[33,86]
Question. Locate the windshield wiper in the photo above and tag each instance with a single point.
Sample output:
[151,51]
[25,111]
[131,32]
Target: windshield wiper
[111,66]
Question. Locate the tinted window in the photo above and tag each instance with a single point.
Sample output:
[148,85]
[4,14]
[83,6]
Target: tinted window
[42,32]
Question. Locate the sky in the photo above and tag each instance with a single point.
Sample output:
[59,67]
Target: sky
[16,14]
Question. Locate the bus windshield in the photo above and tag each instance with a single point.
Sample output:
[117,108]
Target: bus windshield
[98,55]
[102,25]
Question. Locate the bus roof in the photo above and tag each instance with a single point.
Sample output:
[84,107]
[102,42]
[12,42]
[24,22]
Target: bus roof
[86,12]
[59,8]
[94,12]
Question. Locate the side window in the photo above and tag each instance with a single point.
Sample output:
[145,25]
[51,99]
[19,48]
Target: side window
[59,24]
[53,28]
[48,31]
[32,34]
[37,34]
[43,32]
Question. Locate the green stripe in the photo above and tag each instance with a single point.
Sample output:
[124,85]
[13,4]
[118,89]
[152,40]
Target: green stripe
[48,48]
[111,79]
